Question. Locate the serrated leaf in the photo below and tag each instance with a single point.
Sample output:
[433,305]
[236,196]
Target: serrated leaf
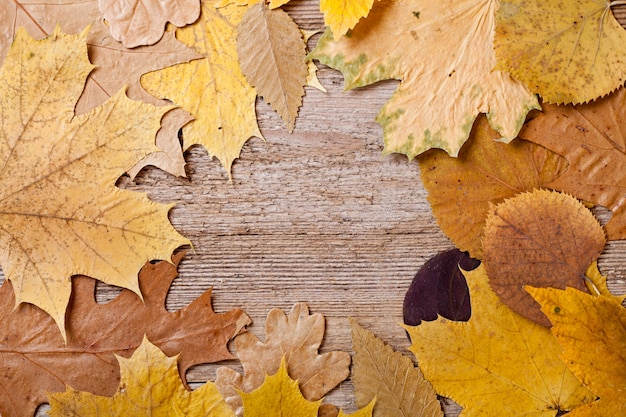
[272,57]
[342,15]
[399,387]
[60,212]
[567,51]
[440,94]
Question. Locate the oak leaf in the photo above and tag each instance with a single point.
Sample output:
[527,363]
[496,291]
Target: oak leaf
[36,360]
[440,94]
[567,51]
[497,363]
[280,396]
[342,15]
[591,138]
[142,22]
[439,288]
[398,386]
[461,190]
[149,386]
[297,337]
[591,331]
[272,57]
[60,212]
[213,90]
[541,238]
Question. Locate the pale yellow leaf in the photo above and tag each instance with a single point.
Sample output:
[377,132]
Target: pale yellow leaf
[342,15]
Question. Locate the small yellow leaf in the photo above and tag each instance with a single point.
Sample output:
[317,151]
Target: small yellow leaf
[150,385]
[567,51]
[343,15]
[592,332]
[596,283]
[498,363]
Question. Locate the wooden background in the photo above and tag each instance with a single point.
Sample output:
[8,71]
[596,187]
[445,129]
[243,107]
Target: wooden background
[316,216]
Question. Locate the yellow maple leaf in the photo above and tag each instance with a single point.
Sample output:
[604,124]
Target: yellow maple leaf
[567,51]
[213,90]
[150,385]
[440,93]
[279,396]
[60,212]
[497,363]
[343,15]
[592,331]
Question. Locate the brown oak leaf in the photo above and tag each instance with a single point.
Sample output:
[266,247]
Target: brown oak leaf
[35,360]
[297,337]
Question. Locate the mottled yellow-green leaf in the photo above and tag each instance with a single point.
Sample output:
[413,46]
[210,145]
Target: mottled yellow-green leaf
[342,15]
[442,53]
[568,51]
[150,385]
[60,212]
[213,90]
[498,363]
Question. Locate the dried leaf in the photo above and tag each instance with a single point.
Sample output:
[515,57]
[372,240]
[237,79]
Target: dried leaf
[596,283]
[272,57]
[378,372]
[142,22]
[461,190]
[150,386]
[567,51]
[592,333]
[311,78]
[498,363]
[541,238]
[96,331]
[342,15]
[213,90]
[591,137]
[440,94]
[297,337]
[61,212]
[439,288]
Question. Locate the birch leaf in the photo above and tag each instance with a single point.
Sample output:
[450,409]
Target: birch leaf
[60,212]
[297,337]
[567,51]
[399,387]
[149,386]
[543,239]
[142,22]
[213,90]
[342,15]
[498,363]
[440,94]
[272,57]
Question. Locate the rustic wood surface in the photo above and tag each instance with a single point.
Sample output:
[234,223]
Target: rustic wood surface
[316,216]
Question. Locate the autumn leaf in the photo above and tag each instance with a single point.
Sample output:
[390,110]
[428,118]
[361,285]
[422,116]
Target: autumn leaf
[440,94]
[280,396]
[461,190]
[399,387]
[597,285]
[591,330]
[497,363]
[297,337]
[149,386]
[142,22]
[591,138]
[541,238]
[36,360]
[60,212]
[439,288]
[272,57]
[343,15]
[567,51]
[213,90]
[311,78]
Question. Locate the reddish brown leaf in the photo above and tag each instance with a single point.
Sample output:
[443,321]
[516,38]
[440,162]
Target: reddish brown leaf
[35,360]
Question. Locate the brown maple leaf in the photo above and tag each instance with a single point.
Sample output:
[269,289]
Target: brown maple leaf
[35,359]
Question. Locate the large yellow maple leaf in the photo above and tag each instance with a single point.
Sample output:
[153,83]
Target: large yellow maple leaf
[592,331]
[60,212]
[442,53]
[567,51]
[213,90]
[497,363]
[150,385]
